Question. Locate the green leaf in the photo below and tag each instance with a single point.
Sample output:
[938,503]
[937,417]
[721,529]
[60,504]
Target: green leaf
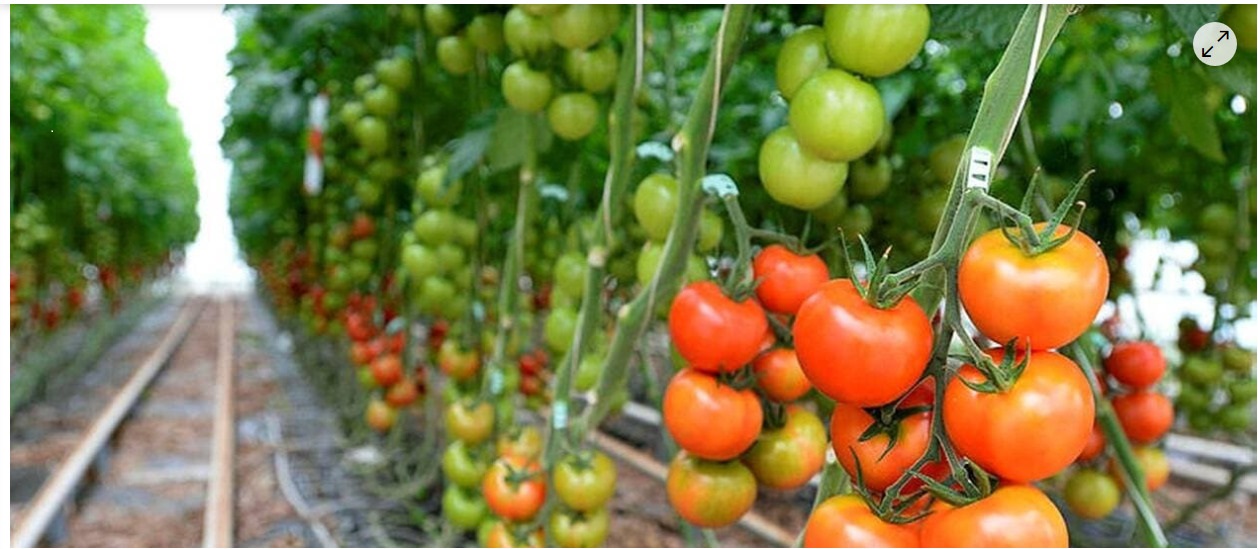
[1192,117]
[1238,75]
[512,128]
[992,24]
[1190,17]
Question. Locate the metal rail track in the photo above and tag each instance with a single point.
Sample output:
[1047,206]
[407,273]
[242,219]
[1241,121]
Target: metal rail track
[55,497]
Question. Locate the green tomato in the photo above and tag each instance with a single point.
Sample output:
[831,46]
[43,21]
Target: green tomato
[451,258]
[465,232]
[364,83]
[1202,421]
[830,96]
[831,213]
[579,26]
[1237,359]
[368,193]
[1218,219]
[366,379]
[434,227]
[394,72]
[588,372]
[433,192]
[655,204]
[930,209]
[573,116]
[439,19]
[875,39]
[794,176]
[372,135]
[360,271]
[1236,418]
[1192,397]
[364,249]
[649,262]
[1242,391]
[594,69]
[435,295]
[560,325]
[1213,249]
[381,101]
[802,56]
[1092,494]
[463,509]
[857,220]
[526,35]
[945,158]
[525,89]
[585,482]
[485,32]
[570,529]
[711,229]
[461,467]
[350,113]
[870,179]
[570,271]
[420,262]
[456,55]
[1201,371]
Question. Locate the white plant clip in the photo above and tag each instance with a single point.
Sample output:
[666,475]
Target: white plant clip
[980,171]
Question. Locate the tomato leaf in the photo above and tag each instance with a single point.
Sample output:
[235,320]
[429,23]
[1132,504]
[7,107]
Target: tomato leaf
[992,24]
[1190,17]
[1238,75]
[1191,113]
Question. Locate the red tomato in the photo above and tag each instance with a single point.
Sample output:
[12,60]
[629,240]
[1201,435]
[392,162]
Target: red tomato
[712,332]
[780,375]
[709,419]
[1047,300]
[1012,516]
[846,521]
[786,279]
[402,394]
[1145,415]
[514,499]
[1030,431]
[859,354]
[1095,444]
[1138,364]
[387,369]
[880,466]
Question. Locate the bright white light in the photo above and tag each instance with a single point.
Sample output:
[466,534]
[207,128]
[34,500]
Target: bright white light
[191,43]
[1239,105]
[1115,110]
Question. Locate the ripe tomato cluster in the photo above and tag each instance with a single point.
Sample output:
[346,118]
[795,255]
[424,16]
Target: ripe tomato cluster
[712,482]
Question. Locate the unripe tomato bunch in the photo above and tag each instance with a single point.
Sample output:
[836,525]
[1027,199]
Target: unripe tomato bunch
[1146,416]
[1216,382]
[562,82]
[819,72]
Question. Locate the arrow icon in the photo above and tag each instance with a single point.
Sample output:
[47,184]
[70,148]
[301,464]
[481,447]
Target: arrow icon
[1205,52]
[1224,35]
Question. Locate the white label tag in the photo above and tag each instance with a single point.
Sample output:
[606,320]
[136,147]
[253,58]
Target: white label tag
[979,174]
[496,382]
[559,415]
